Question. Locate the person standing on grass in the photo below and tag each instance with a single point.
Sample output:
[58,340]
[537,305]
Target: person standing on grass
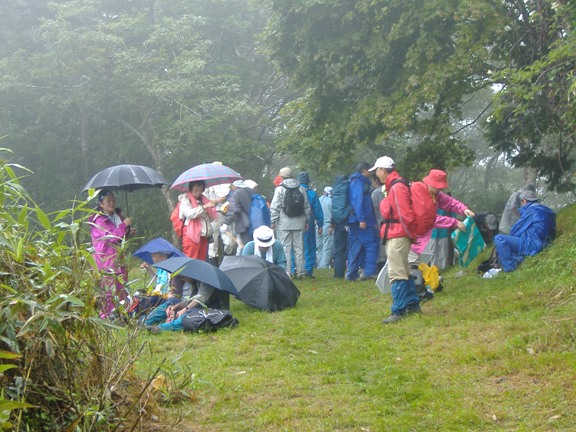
[398,237]
[325,248]
[197,212]
[289,214]
[363,235]
[109,229]
[315,222]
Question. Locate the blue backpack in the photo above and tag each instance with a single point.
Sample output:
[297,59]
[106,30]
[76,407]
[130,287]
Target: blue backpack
[259,213]
[341,207]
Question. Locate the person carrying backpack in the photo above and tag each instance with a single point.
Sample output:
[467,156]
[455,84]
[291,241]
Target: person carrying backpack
[363,239]
[238,212]
[289,214]
[398,233]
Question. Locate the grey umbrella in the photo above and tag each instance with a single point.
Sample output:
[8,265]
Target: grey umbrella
[126,177]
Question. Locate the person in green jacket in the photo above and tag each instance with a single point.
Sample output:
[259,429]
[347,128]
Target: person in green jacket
[266,246]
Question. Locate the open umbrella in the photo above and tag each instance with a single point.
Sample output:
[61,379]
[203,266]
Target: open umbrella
[158,245]
[260,284]
[199,270]
[212,174]
[126,177]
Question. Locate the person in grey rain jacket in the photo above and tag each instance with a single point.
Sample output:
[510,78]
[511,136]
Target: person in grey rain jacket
[290,230]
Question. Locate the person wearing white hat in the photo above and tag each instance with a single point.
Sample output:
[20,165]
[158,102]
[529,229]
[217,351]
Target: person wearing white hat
[250,184]
[266,246]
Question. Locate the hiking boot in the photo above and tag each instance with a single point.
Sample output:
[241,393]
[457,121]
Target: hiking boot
[413,310]
[309,275]
[392,319]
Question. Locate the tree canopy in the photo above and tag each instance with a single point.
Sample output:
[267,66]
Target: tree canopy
[379,73]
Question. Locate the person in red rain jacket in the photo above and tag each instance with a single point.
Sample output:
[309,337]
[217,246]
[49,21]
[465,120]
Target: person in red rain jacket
[398,236]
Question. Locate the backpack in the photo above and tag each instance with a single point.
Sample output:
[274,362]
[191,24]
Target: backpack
[422,205]
[341,207]
[200,319]
[493,262]
[177,223]
[293,204]
[259,213]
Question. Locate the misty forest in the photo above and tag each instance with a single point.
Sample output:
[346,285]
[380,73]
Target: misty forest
[482,89]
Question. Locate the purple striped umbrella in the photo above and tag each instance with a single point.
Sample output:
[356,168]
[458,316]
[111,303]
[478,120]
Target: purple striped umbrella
[212,174]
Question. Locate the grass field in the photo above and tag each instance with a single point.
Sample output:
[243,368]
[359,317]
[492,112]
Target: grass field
[487,354]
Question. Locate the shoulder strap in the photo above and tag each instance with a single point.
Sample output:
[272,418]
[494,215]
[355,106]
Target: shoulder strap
[392,220]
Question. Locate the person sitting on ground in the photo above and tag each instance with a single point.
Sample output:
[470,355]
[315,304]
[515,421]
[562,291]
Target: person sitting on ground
[511,212]
[181,288]
[156,295]
[266,246]
[175,313]
[529,235]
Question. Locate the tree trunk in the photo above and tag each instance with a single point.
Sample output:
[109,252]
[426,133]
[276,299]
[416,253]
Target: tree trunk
[530,175]
[143,135]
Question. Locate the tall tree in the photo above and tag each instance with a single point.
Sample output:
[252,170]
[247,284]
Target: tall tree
[379,73]
[162,83]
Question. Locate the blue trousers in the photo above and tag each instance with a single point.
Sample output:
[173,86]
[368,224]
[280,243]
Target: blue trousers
[158,314]
[340,248]
[327,247]
[404,295]
[310,248]
[508,248]
[363,250]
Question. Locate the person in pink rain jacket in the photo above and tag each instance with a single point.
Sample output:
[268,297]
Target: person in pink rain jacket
[108,229]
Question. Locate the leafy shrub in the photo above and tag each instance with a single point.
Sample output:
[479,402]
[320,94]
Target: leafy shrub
[72,367]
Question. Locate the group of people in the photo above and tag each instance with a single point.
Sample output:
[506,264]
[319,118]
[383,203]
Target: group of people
[384,222]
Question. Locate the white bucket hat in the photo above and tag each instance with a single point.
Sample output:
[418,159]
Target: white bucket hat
[263,236]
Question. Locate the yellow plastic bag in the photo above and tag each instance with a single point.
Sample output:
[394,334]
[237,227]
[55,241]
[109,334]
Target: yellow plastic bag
[431,276]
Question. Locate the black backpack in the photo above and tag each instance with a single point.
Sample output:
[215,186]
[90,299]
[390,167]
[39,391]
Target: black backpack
[493,262]
[293,204]
[200,319]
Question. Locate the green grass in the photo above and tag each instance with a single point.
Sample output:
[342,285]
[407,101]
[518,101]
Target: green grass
[487,354]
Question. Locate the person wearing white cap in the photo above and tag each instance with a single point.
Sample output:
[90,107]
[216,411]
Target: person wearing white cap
[325,248]
[266,246]
[405,298]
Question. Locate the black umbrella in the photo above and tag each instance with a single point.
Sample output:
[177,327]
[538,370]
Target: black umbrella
[126,177]
[260,284]
[199,270]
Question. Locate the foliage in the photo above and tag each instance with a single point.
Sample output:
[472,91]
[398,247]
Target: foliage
[486,354]
[533,120]
[70,371]
[167,84]
[378,71]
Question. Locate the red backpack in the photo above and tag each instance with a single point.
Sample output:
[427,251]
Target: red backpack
[177,223]
[423,205]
